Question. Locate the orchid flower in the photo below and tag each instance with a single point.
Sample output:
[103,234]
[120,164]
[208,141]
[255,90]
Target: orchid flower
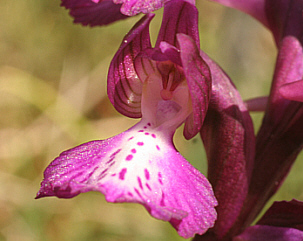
[103,12]
[278,142]
[166,86]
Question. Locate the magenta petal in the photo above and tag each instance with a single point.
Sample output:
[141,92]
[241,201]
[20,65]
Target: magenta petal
[198,79]
[179,17]
[142,166]
[124,88]
[292,91]
[269,233]
[93,13]
[255,8]
[229,141]
[284,214]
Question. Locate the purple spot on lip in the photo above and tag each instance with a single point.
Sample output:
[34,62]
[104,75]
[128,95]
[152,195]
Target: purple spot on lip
[146,184]
[162,200]
[160,178]
[146,133]
[129,157]
[91,173]
[122,173]
[110,160]
[141,131]
[148,124]
[130,194]
[140,183]
[105,170]
[111,164]
[153,135]
[115,153]
[133,150]
[137,191]
[146,172]
[158,148]
[140,143]
[130,138]
[103,174]
[145,127]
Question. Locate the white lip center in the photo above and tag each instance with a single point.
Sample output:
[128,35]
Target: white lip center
[165,98]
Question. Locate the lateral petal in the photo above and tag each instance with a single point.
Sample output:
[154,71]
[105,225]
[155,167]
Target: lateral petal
[229,140]
[198,79]
[124,88]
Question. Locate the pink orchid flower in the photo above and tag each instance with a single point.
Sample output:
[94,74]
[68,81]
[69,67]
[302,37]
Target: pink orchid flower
[165,86]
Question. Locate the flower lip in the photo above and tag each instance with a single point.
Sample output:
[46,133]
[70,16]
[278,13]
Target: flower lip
[140,165]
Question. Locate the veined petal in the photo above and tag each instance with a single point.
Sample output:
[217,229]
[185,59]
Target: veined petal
[269,233]
[198,79]
[179,17]
[92,12]
[124,88]
[142,166]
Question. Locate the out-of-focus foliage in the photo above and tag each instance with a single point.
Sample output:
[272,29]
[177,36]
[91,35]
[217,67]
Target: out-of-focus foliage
[53,97]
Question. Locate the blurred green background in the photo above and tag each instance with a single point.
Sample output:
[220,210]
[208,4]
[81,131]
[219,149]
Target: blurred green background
[53,97]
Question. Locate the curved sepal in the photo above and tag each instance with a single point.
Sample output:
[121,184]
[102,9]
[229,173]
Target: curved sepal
[229,141]
[142,166]
[124,88]
[93,13]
